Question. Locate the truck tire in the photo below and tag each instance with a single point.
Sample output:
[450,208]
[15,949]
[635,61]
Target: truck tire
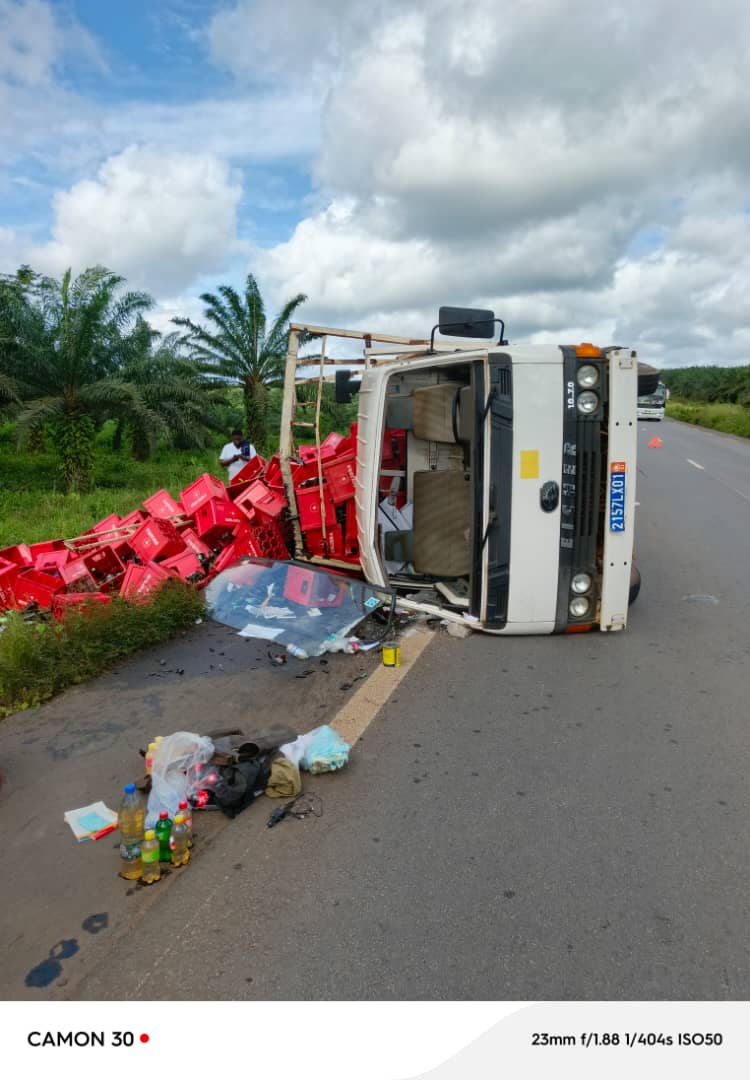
[635,584]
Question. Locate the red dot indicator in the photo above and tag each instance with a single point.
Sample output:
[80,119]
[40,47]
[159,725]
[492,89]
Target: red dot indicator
[144,1038]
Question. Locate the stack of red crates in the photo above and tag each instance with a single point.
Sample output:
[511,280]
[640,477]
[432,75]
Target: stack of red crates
[196,536]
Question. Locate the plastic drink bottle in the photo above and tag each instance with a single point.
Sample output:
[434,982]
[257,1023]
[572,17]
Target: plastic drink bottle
[178,842]
[297,651]
[150,858]
[163,831]
[131,819]
[150,756]
[187,814]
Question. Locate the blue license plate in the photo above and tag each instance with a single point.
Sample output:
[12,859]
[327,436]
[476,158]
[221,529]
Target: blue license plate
[617,485]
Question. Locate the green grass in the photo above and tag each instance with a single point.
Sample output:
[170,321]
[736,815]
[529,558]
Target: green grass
[39,659]
[733,419]
[32,506]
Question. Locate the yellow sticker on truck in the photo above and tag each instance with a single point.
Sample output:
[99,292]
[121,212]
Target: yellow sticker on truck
[529,464]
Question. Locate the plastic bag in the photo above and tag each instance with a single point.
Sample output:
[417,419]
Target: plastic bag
[320,750]
[173,757]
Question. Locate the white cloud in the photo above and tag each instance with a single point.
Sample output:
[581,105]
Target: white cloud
[158,217]
[578,169]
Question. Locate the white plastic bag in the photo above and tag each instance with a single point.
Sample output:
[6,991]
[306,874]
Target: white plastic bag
[173,756]
[320,750]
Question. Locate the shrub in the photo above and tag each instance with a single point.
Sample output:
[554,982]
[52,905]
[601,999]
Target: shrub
[40,658]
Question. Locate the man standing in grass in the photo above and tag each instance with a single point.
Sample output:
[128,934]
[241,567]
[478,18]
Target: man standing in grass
[236,454]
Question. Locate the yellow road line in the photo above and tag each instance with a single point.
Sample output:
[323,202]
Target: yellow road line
[353,718]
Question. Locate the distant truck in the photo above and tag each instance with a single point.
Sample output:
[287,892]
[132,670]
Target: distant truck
[652,406]
[494,484]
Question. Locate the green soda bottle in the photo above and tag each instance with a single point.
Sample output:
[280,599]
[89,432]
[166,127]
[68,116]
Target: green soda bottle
[178,842]
[150,858]
[163,832]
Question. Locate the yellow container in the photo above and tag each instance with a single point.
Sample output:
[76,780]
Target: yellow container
[391,654]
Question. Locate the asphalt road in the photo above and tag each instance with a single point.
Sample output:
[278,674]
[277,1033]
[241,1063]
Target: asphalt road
[552,818]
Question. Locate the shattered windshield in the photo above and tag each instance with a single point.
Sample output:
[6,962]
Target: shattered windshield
[292,605]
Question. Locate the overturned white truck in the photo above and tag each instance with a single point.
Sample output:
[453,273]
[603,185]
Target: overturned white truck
[511,504]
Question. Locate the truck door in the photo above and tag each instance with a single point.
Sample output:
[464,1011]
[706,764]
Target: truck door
[535,491]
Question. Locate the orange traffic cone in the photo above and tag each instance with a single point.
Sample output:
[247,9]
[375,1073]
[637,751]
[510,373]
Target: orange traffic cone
[655,443]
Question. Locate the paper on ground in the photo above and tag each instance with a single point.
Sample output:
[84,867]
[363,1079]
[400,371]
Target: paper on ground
[88,820]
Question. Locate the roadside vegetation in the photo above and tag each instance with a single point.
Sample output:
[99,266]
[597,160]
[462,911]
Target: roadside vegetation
[733,419]
[40,658]
[712,397]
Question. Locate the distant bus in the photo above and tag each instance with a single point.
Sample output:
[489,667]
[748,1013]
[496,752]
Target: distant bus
[651,406]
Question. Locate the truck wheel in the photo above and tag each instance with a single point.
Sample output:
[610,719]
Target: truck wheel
[635,584]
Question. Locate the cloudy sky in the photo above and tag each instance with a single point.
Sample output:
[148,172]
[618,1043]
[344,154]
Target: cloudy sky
[581,167]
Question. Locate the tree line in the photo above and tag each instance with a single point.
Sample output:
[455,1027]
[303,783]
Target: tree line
[711,384]
[76,353]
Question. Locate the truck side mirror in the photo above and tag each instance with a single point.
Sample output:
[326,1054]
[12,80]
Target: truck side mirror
[346,387]
[466,322]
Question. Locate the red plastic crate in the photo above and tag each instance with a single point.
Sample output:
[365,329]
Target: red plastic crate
[32,586]
[303,586]
[52,561]
[334,537]
[193,542]
[135,517]
[266,503]
[156,539]
[185,565]
[333,445]
[103,563]
[215,518]
[303,471]
[351,534]
[107,524]
[235,490]
[394,449]
[161,505]
[20,554]
[139,581]
[250,470]
[44,547]
[77,573]
[339,476]
[9,571]
[309,504]
[200,491]
[272,472]
[77,601]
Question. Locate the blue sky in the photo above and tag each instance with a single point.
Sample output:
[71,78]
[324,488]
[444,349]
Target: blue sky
[385,158]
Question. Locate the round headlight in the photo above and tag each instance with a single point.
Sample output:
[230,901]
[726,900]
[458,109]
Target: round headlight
[578,607]
[587,402]
[587,376]
[581,583]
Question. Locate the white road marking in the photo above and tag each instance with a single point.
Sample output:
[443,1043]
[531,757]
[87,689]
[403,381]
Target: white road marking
[694,464]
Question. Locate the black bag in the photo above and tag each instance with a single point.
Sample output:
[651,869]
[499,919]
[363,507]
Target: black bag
[238,784]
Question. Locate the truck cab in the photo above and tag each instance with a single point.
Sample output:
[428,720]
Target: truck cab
[493,484]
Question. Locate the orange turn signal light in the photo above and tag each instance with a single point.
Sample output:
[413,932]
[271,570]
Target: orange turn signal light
[580,628]
[587,349]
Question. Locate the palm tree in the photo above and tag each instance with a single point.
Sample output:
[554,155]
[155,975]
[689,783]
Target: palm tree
[188,403]
[64,348]
[240,349]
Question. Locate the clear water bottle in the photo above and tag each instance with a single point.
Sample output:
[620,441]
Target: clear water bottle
[187,813]
[150,858]
[178,842]
[131,819]
[297,651]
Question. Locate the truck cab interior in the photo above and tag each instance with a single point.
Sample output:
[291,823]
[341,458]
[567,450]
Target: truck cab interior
[426,500]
